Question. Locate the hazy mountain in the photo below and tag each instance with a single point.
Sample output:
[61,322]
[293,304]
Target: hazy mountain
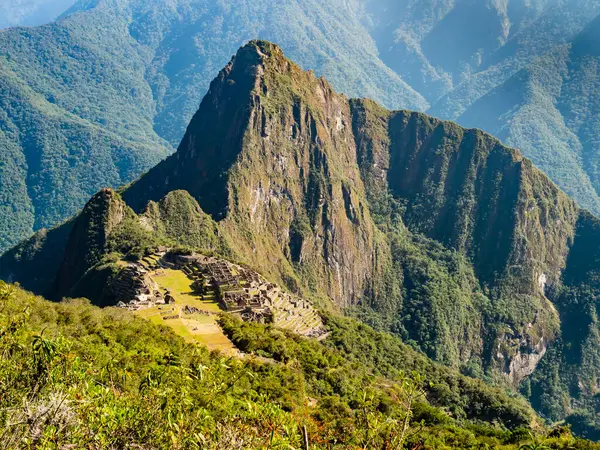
[31,12]
[455,53]
[441,234]
[550,111]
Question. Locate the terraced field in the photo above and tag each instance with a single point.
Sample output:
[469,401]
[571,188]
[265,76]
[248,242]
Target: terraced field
[199,327]
[166,296]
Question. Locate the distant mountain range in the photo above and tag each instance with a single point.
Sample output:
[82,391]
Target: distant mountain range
[550,110]
[525,71]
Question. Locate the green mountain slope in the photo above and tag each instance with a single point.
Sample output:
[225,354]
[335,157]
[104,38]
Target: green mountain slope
[31,12]
[550,111]
[440,234]
[68,142]
[88,101]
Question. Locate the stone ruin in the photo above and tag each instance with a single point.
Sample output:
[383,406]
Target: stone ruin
[134,288]
[238,290]
[189,310]
[244,292]
[169,299]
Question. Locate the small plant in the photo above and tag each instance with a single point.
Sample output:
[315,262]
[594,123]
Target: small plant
[535,444]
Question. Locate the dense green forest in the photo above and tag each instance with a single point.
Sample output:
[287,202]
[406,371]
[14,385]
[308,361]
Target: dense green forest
[75,375]
[31,12]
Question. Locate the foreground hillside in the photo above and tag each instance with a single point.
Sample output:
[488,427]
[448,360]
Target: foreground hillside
[73,375]
[437,233]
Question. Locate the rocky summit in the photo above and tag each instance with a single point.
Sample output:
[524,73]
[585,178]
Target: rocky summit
[439,234]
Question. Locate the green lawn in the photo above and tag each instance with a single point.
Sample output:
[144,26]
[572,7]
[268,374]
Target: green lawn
[181,289]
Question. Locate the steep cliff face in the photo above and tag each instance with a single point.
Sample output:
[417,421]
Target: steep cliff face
[567,381]
[211,144]
[464,189]
[295,188]
[88,239]
[457,243]
[468,191]
[272,155]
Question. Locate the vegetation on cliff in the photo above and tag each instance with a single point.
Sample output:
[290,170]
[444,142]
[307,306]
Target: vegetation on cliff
[440,234]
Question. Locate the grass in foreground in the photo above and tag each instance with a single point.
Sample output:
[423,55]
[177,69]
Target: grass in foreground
[75,376]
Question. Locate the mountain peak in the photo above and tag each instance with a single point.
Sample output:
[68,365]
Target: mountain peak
[261,47]
[269,133]
[102,214]
[258,82]
[252,54]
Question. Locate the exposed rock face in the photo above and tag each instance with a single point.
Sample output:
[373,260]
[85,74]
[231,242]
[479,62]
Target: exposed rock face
[524,363]
[272,154]
[466,190]
[330,197]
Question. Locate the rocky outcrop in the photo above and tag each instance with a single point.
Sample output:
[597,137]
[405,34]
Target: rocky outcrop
[271,154]
[524,362]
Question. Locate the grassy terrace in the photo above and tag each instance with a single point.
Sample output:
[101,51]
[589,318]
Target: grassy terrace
[199,328]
